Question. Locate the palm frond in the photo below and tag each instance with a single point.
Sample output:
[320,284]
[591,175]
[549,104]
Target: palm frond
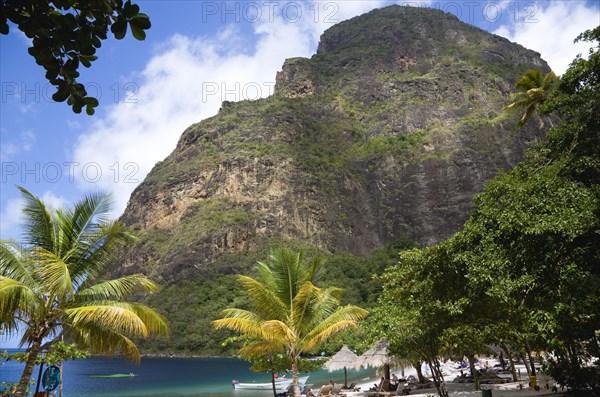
[16,300]
[520,101]
[105,342]
[275,330]
[287,271]
[65,251]
[89,212]
[315,269]
[318,338]
[534,89]
[112,316]
[531,79]
[100,247]
[117,289]
[260,349]
[263,300]
[305,307]
[242,321]
[155,323]
[39,228]
[550,80]
[14,262]
[344,317]
[329,300]
[284,272]
[54,274]
[64,236]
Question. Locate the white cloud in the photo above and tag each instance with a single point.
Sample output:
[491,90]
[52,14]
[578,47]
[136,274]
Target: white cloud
[187,81]
[27,139]
[556,25]
[73,124]
[53,201]
[27,108]
[10,148]
[11,218]
[7,150]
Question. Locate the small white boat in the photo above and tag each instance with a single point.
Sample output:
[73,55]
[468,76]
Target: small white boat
[281,384]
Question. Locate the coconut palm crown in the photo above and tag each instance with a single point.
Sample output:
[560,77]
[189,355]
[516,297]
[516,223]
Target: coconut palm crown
[534,88]
[288,312]
[49,283]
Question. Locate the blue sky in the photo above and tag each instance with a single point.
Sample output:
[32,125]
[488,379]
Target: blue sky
[197,54]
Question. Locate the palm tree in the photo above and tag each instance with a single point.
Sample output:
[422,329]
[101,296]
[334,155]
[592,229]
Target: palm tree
[49,284]
[288,312]
[534,88]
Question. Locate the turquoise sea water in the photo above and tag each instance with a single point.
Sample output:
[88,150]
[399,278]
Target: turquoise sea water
[166,377]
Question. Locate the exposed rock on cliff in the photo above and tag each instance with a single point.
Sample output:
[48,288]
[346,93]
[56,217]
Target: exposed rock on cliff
[389,130]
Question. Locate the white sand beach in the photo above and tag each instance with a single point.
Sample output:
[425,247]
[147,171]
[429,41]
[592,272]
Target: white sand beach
[512,389]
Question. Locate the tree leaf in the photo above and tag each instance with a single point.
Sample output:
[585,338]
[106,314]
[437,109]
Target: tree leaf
[119,29]
[141,21]
[61,95]
[138,33]
[3,27]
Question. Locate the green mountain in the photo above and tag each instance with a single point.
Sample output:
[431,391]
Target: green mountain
[382,137]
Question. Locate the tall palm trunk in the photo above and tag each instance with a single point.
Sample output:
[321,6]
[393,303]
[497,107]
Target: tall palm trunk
[295,378]
[23,385]
[273,383]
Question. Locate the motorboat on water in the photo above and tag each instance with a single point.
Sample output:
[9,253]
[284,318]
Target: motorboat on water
[281,384]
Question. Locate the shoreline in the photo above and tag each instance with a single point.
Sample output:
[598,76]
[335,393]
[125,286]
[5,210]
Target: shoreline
[509,389]
[180,355]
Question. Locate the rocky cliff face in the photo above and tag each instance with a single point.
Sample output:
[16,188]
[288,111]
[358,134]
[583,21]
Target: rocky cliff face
[388,130]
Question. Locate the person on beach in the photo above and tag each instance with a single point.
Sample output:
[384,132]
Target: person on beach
[376,386]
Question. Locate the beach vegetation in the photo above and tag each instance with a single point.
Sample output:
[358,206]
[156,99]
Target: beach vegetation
[523,272]
[55,354]
[51,286]
[287,312]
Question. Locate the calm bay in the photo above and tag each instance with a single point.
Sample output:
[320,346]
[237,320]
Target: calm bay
[166,377]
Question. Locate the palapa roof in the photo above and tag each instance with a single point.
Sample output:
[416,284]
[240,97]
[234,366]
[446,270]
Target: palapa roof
[345,358]
[378,355]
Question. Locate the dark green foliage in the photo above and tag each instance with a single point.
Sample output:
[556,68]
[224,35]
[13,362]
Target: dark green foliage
[577,101]
[583,378]
[523,272]
[357,275]
[58,352]
[190,307]
[66,34]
